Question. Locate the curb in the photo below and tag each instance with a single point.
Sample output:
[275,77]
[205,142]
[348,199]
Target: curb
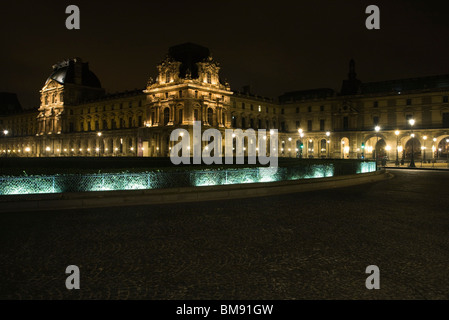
[61,201]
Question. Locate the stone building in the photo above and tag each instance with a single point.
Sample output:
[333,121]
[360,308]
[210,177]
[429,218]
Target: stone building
[77,118]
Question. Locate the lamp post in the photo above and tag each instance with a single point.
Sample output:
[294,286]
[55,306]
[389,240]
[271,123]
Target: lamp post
[433,152]
[377,129]
[447,153]
[5,132]
[412,161]
[397,147]
[424,149]
[328,142]
[99,134]
[301,135]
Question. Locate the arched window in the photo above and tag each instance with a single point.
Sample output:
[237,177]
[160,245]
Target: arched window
[166,116]
[323,145]
[210,116]
[195,115]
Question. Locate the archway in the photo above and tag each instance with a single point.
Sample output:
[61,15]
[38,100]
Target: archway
[380,151]
[323,148]
[442,151]
[310,148]
[344,151]
[412,146]
[299,148]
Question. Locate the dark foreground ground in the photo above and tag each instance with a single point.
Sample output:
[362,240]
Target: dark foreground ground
[312,245]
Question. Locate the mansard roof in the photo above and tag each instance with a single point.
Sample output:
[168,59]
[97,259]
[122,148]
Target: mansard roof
[9,103]
[66,72]
[404,85]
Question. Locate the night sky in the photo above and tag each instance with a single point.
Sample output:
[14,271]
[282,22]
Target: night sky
[275,46]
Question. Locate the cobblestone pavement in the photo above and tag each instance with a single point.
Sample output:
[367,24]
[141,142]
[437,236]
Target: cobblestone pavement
[313,245]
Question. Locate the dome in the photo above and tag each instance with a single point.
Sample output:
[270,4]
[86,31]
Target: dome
[74,71]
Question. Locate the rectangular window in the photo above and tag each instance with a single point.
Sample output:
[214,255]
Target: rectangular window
[297,109]
[195,115]
[243,105]
[89,126]
[252,107]
[283,126]
[71,127]
[375,121]
[445,99]
[180,116]
[140,121]
[446,120]
[274,110]
[321,108]
[309,109]
[97,125]
[260,109]
[409,102]
[297,124]
[130,122]
[105,125]
[408,117]
[266,109]
[309,125]
[282,111]
[375,104]
[322,125]
[345,123]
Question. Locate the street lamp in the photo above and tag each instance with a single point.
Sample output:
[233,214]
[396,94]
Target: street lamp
[99,134]
[377,129]
[328,134]
[424,152]
[447,153]
[412,161]
[397,132]
[301,134]
[5,132]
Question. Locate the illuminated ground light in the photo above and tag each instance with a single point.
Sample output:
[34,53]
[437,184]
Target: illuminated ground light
[154,180]
[366,167]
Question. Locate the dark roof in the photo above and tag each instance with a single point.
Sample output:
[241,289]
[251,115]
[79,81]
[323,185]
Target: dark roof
[403,85]
[65,72]
[189,54]
[320,93]
[9,103]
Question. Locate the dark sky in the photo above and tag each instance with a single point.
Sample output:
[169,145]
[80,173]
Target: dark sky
[275,46]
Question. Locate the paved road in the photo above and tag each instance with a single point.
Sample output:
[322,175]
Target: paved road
[313,245]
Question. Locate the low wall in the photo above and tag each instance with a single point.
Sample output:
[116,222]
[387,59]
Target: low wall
[78,200]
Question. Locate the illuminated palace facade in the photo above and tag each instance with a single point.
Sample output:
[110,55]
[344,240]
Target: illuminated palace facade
[77,118]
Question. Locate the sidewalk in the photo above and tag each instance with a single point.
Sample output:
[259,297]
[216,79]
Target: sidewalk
[419,165]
